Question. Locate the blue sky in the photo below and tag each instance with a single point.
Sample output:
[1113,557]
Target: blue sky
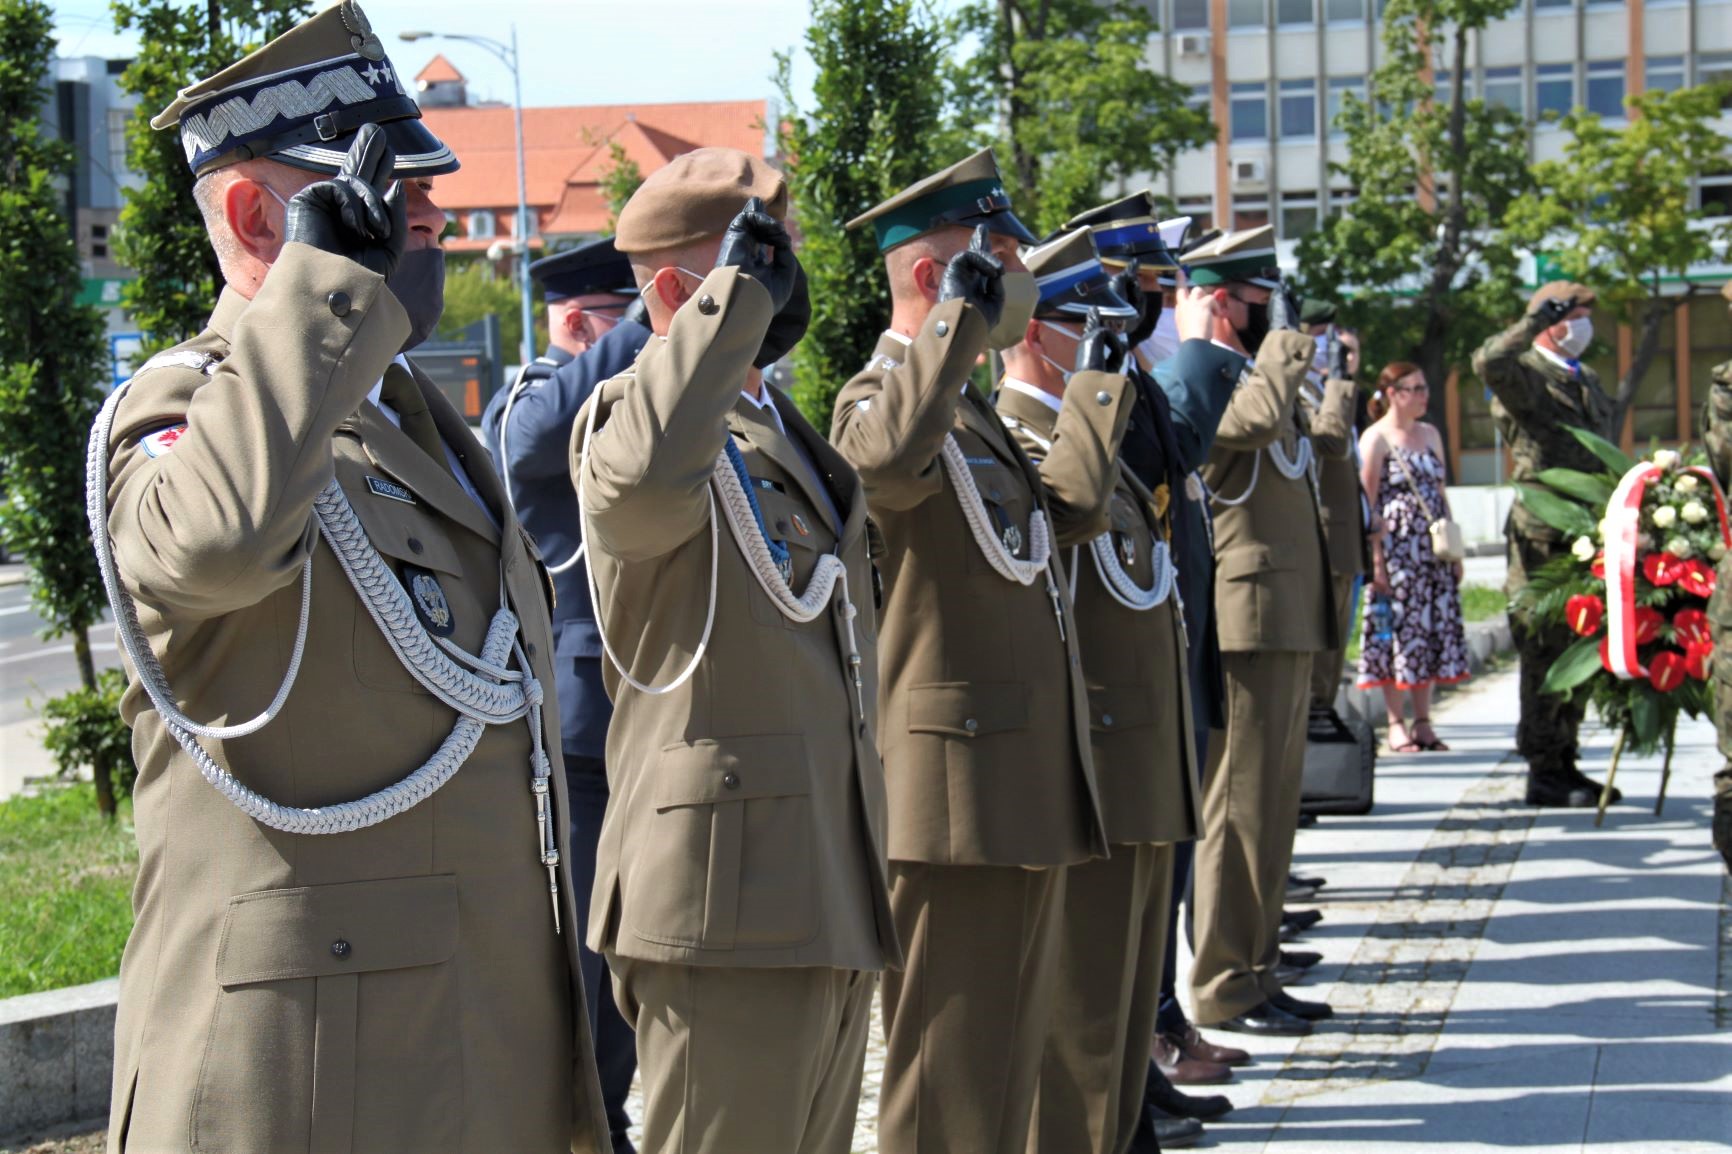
[574,51]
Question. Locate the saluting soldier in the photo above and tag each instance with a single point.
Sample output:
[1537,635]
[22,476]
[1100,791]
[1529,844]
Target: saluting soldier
[309,539]
[1719,439]
[527,428]
[1274,610]
[1131,634]
[741,897]
[1539,389]
[985,730]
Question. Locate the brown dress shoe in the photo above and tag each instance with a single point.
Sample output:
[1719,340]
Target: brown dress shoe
[1198,1048]
[1183,1070]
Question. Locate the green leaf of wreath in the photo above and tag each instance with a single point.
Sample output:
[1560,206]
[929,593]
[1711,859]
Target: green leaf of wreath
[1609,454]
[1560,513]
[1594,490]
[1645,719]
[1574,666]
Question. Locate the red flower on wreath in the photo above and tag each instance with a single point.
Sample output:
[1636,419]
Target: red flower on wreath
[1585,612]
[1696,660]
[1662,569]
[1697,578]
[1648,623]
[1690,628]
[1598,568]
[1666,672]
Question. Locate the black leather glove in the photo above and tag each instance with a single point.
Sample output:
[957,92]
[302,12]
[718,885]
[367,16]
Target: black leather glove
[636,313]
[1335,353]
[1283,310]
[1101,350]
[1723,826]
[758,245]
[1148,305]
[788,326]
[1552,310]
[350,214]
[976,276]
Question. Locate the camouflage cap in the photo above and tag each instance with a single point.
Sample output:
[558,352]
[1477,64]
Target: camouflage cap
[695,197]
[1584,295]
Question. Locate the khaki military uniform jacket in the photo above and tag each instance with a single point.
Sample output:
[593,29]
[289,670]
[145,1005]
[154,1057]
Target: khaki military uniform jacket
[1134,662]
[1330,419]
[984,726]
[746,825]
[1272,587]
[399,987]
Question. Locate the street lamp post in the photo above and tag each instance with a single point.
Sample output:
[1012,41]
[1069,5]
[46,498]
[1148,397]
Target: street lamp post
[507,55]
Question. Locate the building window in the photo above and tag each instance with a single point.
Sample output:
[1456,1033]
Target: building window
[1554,3]
[1503,87]
[1201,210]
[1663,73]
[1298,214]
[1190,15]
[1554,89]
[1716,68]
[1298,109]
[1250,111]
[1606,88]
[1440,83]
[1339,87]
[481,225]
[1342,11]
[117,120]
[1714,193]
[1295,11]
[1250,213]
[1247,13]
[1200,98]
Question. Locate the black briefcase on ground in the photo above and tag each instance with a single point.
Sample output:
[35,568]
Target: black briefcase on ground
[1340,765]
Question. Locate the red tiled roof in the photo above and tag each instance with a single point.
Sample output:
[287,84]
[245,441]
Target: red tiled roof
[566,152]
[439,71]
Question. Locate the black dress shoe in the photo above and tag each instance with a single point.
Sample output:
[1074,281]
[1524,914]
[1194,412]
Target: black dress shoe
[1307,820]
[1564,792]
[1308,1011]
[1577,777]
[1312,883]
[1299,893]
[1160,1093]
[1171,1133]
[1300,959]
[1288,933]
[1301,920]
[1269,1020]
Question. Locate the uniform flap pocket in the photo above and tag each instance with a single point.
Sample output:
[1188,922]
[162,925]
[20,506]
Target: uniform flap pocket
[578,638]
[1250,560]
[1122,707]
[786,519]
[967,709]
[732,769]
[317,931]
[404,531]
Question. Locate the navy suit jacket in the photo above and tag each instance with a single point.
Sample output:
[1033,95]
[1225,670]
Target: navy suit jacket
[534,459]
[1190,390]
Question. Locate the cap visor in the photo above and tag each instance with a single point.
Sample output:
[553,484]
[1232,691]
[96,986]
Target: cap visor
[1004,224]
[419,152]
[1110,304]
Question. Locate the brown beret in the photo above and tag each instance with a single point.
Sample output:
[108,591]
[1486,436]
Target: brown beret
[1584,295]
[695,197]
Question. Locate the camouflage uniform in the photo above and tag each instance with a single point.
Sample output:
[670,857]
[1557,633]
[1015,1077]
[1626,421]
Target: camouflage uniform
[1534,399]
[1717,420]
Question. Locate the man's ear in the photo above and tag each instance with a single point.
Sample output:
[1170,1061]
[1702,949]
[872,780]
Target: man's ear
[1031,334]
[928,277]
[669,289]
[255,219]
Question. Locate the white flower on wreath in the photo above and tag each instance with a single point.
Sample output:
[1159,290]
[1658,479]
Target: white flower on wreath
[1667,459]
[1664,517]
[1584,549]
[1694,512]
[1680,548]
[1716,551]
[1688,483]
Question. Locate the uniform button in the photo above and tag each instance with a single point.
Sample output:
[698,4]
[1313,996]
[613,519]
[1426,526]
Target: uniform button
[782,528]
[1107,720]
[339,302]
[340,948]
[941,328]
[415,545]
[971,725]
[1104,397]
[707,305]
[731,780]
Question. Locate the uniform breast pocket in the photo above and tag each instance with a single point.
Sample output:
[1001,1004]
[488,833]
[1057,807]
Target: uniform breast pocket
[1005,497]
[405,537]
[325,992]
[720,848]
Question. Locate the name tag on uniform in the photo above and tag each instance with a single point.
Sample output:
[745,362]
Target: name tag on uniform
[767,484]
[383,488]
[981,462]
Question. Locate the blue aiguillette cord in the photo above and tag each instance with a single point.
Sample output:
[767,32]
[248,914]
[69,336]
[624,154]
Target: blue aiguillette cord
[778,551]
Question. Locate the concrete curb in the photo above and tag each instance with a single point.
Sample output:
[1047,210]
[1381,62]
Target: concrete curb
[57,1056]
[1484,639]
[13,573]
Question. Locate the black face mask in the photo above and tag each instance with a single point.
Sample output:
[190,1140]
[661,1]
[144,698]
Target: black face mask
[418,283]
[1256,326]
[788,326]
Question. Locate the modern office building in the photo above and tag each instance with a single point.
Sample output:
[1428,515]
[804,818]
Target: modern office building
[1274,73]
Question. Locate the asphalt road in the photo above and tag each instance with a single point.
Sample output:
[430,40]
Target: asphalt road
[33,670]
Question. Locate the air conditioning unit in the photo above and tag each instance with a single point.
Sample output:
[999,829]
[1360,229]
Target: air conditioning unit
[1194,44]
[1248,171]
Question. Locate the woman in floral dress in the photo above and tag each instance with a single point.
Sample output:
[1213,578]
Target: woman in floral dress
[1425,643]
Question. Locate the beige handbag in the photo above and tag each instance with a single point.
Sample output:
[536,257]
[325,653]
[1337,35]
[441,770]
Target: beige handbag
[1446,541]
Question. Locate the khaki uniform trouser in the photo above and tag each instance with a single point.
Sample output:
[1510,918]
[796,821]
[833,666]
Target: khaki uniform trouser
[965,1019]
[1326,667]
[1250,815]
[737,1060]
[1109,989]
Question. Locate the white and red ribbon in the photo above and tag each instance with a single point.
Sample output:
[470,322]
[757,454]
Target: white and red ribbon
[1623,559]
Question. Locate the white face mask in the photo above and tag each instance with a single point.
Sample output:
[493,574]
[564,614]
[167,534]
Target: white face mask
[1067,374]
[1577,339]
[1164,341]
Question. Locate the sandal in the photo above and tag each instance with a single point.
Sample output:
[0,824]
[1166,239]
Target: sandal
[1408,746]
[1434,745]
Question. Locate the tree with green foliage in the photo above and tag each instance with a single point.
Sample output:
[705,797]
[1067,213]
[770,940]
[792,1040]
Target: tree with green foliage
[620,179]
[1422,248]
[161,235]
[473,289]
[52,354]
[876,125]
[1615,211]
[1073,101]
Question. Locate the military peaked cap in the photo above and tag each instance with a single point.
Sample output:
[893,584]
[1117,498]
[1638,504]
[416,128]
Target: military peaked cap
[1072,280]
[968,193]
[300,99]
[596,267]
[1246,256]
[1127,230]
[1316,311]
